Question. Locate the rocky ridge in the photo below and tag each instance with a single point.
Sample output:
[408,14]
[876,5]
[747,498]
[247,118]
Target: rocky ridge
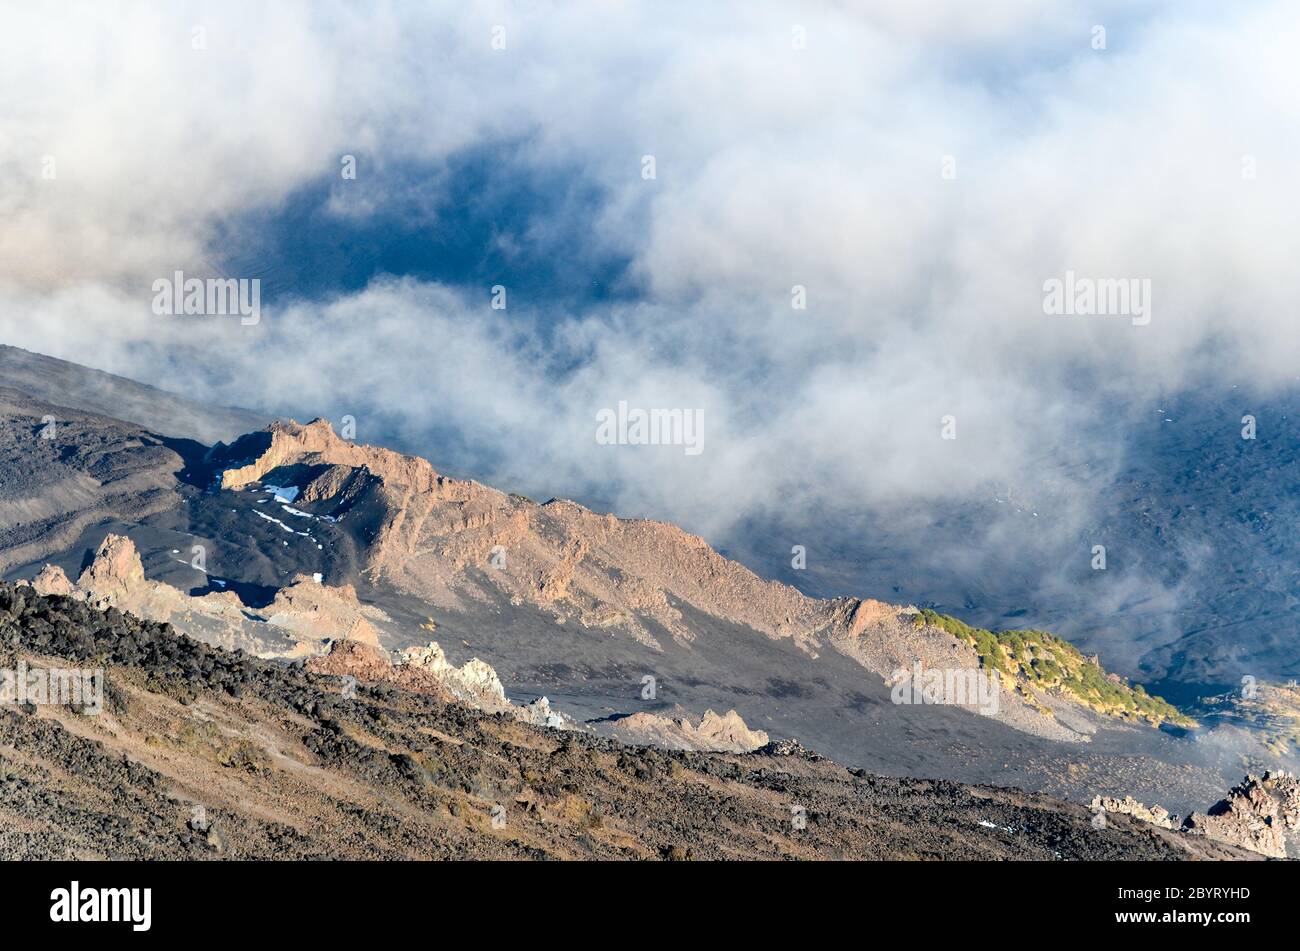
[304,617]
[1260,813]
[725,733]
[325,625]
[451,542]
[426,670]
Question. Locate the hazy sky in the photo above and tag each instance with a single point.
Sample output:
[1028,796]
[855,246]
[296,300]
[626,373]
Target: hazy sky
[794,144]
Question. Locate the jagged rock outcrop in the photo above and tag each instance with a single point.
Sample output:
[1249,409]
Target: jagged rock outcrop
[312,610]
[475,682]
[539,712]
[302,619]
[53,580]
[1156,815]
[324,623]
[370,664]
[426,670]
[116,574]
[1259,814]
[714,733]
[729,732]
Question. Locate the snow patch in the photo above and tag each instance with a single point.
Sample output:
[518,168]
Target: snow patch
[282,493]
[291,531]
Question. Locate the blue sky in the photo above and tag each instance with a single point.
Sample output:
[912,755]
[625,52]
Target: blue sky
[483,220]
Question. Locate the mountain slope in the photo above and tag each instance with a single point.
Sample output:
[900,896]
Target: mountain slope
[451,542]
[93,391]
[64,470]
[200,753]
[607,618]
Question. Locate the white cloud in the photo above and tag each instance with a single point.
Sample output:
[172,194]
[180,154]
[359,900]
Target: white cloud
[776,167]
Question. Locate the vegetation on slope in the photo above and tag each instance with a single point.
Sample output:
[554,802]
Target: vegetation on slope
[1036,661]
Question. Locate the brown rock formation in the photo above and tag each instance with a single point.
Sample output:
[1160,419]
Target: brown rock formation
[719,734]
[52,580]
[1156,815]
[1257,814]
[601,570]
[425,670]
[304,617]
